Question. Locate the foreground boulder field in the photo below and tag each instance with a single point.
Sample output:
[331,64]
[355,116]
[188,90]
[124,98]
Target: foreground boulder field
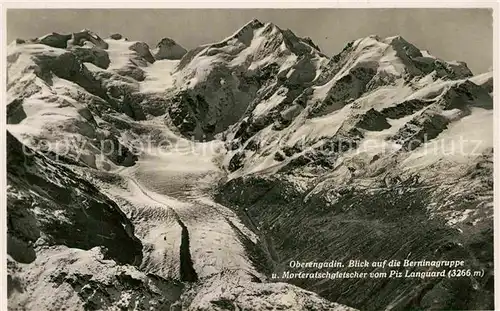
[174,179]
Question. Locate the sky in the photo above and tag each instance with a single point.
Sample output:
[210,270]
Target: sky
[449,34]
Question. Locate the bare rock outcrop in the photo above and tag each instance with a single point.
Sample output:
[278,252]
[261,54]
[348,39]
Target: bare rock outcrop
[142,50]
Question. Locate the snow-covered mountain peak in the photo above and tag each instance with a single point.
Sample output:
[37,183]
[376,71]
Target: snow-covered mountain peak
[268,31]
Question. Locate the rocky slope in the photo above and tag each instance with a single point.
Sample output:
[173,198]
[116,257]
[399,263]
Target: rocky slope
[187,177]
[169,49]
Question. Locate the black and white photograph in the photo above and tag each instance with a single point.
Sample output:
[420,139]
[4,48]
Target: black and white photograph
[249,159]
